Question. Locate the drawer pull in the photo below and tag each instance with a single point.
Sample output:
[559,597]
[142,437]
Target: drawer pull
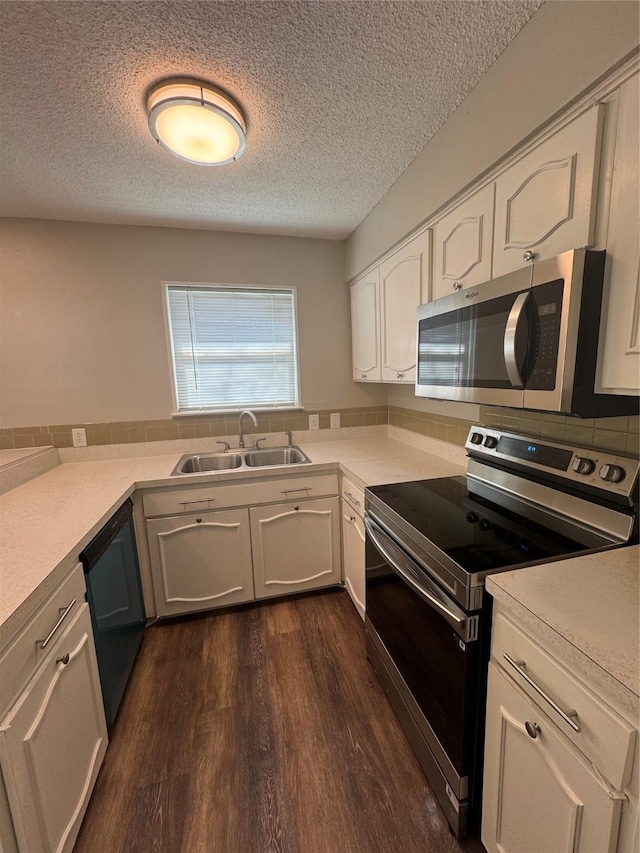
[351,498]
[291,491]
[65,611]
[198,501]
[567,716]
[64,660]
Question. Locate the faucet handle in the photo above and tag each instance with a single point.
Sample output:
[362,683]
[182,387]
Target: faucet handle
[227,446]
[289,435]
[258,440]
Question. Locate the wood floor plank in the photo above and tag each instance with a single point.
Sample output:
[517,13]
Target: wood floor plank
[262,729]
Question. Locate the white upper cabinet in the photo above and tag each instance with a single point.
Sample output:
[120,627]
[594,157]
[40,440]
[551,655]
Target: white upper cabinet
[383,313]
[365,328]
[621,323]
[404,285]
[464,243]
[545,202]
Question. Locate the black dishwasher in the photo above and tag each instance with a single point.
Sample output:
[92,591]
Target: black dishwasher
[114,593]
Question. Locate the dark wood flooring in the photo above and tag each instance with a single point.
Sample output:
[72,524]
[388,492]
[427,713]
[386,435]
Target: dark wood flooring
[261,730]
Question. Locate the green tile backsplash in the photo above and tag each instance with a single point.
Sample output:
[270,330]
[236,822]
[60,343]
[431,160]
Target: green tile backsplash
[200,426]
[619,435]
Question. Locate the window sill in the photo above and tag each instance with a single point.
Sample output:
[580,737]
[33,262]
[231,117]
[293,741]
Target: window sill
[201,412]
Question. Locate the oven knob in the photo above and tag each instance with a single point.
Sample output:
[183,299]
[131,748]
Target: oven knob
[476,438]
[583,465]
[484,524]
[490,441]
[472,517]
[612,473]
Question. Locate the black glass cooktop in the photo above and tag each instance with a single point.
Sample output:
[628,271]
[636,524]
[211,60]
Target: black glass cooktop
[476,533]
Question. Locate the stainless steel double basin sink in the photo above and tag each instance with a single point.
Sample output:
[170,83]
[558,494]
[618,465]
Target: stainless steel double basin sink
[234,460]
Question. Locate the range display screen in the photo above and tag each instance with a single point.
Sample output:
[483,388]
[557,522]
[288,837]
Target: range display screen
[533,451]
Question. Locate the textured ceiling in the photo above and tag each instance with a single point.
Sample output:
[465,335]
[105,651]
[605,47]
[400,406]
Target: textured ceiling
[339,99]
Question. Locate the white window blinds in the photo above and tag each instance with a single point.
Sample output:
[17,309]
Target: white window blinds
[233,347]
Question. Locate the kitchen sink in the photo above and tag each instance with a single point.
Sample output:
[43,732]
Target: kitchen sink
[274,456]
[204,463]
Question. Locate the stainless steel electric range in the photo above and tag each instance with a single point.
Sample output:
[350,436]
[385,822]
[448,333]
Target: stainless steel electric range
[429,546]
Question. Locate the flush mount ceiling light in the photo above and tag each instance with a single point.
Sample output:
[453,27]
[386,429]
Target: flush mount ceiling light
[196,122]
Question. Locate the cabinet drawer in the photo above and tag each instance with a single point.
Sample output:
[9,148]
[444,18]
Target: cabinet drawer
[604,738]
[353,495]
[247,493]
[20,659]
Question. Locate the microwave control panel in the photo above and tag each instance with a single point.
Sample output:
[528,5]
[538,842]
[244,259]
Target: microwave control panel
[545,338]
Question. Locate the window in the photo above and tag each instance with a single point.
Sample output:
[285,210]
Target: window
[233,347]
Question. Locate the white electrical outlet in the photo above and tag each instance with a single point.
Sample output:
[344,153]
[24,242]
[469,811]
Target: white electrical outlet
[79,437]
[314,421]
[335,420]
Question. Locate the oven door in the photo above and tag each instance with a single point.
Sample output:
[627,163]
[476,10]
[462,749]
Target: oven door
[434,653]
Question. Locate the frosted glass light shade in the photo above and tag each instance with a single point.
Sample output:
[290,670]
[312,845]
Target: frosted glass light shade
[196,122]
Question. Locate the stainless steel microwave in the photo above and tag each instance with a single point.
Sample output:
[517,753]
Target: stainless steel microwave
[526,340]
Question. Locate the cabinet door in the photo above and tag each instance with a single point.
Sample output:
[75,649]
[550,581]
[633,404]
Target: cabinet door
[621,321]
[353,538]
[404,285]
[52,743]
[365,328]
[538,794]
[296,546]
[200,561]
[464,244]
[545,202]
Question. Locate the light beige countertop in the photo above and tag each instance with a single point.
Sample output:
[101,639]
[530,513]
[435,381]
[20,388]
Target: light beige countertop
[588,608]
[8,457]
[46,522]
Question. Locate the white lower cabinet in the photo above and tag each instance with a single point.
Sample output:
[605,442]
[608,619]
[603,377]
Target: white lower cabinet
[200,561]
[217,557]
[539,793]
[353,543]
[296,546]
[52,742]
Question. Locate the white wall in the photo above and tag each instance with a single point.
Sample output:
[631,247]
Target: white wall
[563,49]
[81,329]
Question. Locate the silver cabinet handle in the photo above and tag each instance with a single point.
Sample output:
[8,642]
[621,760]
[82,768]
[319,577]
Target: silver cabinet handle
[351,498]
[457,285]
[199,501]
[65,611]
[567,716]
[513,321]
[529,256]
[290,491]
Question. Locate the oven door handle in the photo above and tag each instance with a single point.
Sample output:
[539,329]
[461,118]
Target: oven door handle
[465,626]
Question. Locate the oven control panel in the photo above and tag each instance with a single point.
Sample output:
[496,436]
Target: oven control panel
[596,468]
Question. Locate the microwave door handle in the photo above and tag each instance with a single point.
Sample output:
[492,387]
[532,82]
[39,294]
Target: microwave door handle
[510,333]
[376,537]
